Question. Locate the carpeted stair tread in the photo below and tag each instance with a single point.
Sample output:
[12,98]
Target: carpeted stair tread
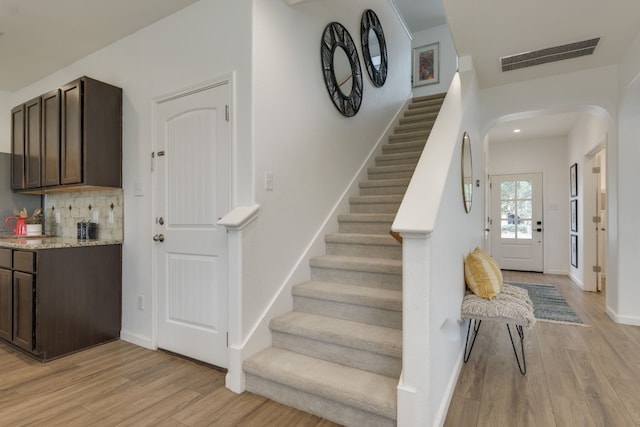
[438,97]
[361,239]
[410,157]
[391,168]
[367,217]
[409,136]
[403,147]
[393,182]
[414,126]
[374,265]
[427,112]
[354,387]
[370,223]
[375,339]
[384,198]
[350,294]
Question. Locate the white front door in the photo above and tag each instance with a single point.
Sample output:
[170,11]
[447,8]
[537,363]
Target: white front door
[192,190]
[517,224]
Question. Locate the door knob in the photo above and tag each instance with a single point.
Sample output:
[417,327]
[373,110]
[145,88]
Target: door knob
[161,221]
[158,238]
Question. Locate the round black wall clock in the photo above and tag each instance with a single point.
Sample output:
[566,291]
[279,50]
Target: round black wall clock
[374,47]
[341,69]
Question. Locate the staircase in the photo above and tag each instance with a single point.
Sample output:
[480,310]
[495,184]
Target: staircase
[339,353]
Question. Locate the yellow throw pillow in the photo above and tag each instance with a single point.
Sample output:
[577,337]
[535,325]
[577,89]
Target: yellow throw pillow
[482,274]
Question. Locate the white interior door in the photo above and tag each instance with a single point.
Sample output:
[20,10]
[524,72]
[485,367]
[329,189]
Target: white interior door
[192,190]
[517,225]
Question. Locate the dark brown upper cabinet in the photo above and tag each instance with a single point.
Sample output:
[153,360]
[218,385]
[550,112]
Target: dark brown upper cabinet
[17,148]
[50,154]
[32,141]
[80,142]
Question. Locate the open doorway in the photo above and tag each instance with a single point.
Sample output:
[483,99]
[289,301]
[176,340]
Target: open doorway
[595,219]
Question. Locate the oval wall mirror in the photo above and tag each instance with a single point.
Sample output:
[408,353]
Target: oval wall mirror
[374,47]
[341,69]
[467,173]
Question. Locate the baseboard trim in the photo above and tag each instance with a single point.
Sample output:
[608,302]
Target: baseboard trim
[441,416]
[624,320]
[137,339]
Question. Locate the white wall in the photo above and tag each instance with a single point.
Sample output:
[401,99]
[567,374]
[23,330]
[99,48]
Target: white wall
[284,122]
[455,235]
[5,121]
[587,134]
[313,151]
[201,42]
[622,301]
[548,156]
[448,58]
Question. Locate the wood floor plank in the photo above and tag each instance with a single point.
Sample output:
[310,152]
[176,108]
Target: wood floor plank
[578,375]
[122,384]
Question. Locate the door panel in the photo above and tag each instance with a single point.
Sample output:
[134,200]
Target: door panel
[517,224]
[192,192]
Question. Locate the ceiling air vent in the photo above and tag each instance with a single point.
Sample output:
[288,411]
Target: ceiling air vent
[550,54]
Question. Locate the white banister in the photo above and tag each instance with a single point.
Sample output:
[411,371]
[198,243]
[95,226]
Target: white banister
[420,396]
[236,222]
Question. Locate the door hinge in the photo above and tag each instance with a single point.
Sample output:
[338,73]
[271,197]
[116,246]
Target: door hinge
[227,339]
[153,156]
[596,169]
[597,220]
[226,112]
[597,269]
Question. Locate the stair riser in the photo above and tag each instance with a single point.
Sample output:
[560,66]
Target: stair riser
[359,278]
[421,126]
[413,161]
[354,358]
[383,191]
[355,313]
[404,121]
[407,147]
[409,137]
[421,112]
[374,207]
[335,411]
[360,250]
[364,227]
[373,176]
[432,107]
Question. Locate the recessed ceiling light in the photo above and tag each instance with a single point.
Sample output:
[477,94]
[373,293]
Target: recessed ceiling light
[516,131]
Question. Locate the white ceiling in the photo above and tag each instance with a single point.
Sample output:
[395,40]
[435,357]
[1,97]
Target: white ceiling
[39,37]
[534,128]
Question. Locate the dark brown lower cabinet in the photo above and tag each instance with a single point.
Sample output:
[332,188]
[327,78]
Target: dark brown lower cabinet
[60,301]
[6,304]
[23,313]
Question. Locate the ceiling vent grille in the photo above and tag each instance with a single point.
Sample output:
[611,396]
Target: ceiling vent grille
[550,54]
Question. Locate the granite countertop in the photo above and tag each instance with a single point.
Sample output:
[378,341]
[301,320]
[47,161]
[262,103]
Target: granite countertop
[50,242]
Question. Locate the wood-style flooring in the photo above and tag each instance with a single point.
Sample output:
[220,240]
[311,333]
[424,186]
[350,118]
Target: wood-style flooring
[577,376]
[120,384]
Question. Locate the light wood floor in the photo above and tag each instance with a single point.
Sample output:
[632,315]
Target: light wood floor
[122,384]
[578,376]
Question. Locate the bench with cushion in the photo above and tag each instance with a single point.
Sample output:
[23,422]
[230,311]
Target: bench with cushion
[491,299]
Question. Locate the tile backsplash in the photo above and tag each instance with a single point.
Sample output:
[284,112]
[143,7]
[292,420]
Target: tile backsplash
[82,206]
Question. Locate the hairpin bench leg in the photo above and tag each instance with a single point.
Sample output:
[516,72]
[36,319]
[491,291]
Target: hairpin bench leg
[522,365]
[476,327]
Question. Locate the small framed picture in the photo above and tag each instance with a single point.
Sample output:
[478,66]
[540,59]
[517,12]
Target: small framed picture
[574,250]
[573,179]
[574,215]
[426,65]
